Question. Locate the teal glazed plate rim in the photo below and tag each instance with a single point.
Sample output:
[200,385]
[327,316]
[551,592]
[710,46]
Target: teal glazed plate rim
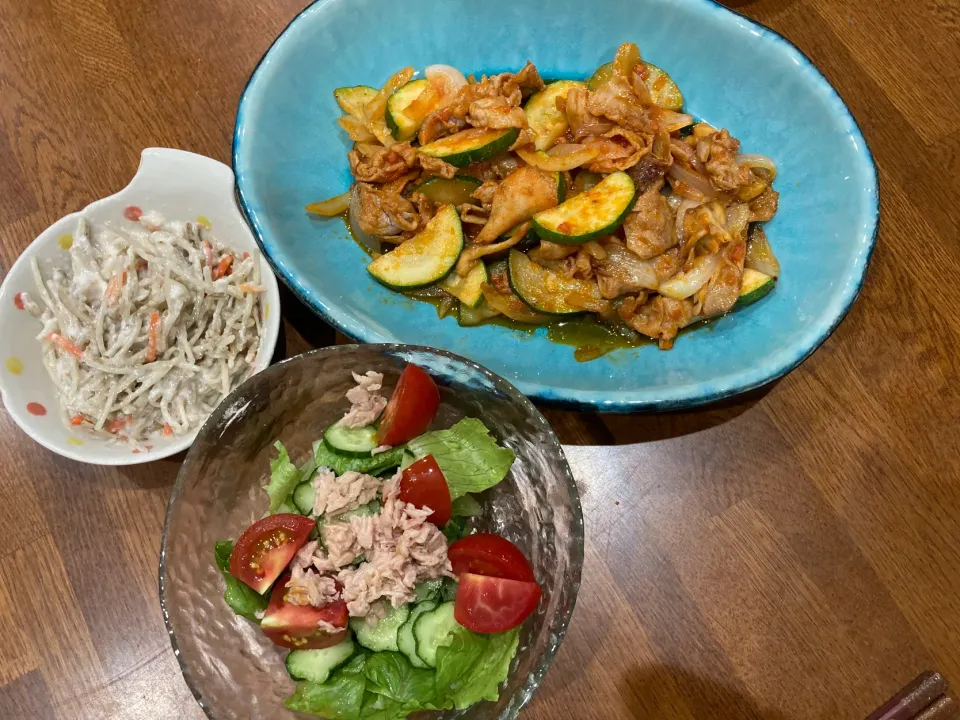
[288,152]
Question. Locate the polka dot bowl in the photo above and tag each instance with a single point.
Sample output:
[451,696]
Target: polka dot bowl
[181,186]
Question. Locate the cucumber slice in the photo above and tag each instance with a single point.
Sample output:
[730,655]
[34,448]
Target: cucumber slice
[303,496]
[543,117]
[384,635]
[473,316]
[466,289]
[470,146]
[425,258]
[449,191]
[754,286]
[402,125]
[405,640]
[663,90]
[591,214]
[352,99]
[316,665]
[431,630]
[352,442]
[546,290]
[428,589]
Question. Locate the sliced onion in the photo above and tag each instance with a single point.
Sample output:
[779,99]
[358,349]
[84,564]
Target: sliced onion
[685,205]
[759,253]
[672,121]
[684,284]
[759,161]
[692,180]
[356,129]
[630,271]
[738,215]
[572,156]
[628,57]
[446,79]
[332,207]
[371,242]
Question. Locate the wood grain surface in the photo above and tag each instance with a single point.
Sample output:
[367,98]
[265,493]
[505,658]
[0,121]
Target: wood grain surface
[789,556]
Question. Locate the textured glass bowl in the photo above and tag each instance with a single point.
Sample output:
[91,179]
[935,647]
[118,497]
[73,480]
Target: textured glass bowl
[232,668]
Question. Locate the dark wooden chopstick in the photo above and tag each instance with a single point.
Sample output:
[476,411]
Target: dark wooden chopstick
[925,698]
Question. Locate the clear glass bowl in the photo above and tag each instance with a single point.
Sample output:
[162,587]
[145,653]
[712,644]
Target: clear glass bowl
[232,668]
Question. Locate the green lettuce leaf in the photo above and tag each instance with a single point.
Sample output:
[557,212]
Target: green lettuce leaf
[466,506]
[284,477]
[455,529]
[241,598]
[375,465]
[391,674]
[380,707]
[472,666]
[339,698]
[470,459]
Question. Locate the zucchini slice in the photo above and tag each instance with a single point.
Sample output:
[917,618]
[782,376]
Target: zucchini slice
[425,258]
[466,289]
[316,665]
[352,99]
[473,316]
[470,146]
[754,286]
[454,191]
[663,90]
[402,125]
[543,117]
[547,290]
[591,214]
[351,442]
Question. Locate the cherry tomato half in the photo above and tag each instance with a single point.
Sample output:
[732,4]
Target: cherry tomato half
[295,626]
[488,554]
[411,409]
[423,485]
[492,605]
[266,548]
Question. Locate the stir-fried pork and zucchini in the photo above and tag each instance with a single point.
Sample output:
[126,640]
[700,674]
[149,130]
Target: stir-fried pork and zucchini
[510,198]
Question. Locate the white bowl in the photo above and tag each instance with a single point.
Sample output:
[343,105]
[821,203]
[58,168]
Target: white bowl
[182,186]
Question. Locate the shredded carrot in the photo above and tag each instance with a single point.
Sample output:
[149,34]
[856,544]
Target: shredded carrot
[116,426]
[66,344]
[154,336]
[167,430]
[141,264]
[246,255]
[114,287]
[248,288]
[223,267]
[76,419]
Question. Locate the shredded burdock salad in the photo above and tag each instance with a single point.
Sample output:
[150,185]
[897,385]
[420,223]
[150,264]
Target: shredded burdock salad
[511,198]
[148,328]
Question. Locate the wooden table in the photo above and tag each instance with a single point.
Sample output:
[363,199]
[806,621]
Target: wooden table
[790,556]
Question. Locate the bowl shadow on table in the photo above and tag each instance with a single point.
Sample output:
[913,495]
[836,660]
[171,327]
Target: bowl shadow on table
[648,693]
[601,429]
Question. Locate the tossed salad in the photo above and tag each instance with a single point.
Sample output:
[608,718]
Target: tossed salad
[364,570]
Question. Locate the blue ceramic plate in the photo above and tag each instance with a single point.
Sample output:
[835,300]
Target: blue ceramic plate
[289,151]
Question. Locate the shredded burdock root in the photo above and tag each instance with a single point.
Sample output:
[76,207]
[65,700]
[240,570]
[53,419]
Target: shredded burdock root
[149,328]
